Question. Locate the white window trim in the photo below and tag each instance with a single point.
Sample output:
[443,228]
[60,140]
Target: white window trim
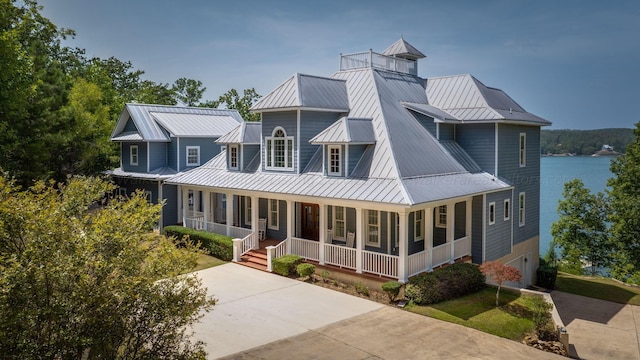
[440,210]
[369,232]
[231,148]
[273,213]
[339,172]
[121,191]
[522,150]
[131,155]
[507,209]
[522,203]
[197,163]
[492,213]
[335,221]
[247,210]
[148,195]
[270,157]
[418,225]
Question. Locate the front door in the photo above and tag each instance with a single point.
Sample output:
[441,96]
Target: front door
[310,224]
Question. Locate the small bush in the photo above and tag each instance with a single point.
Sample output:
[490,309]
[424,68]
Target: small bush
[362,289]
[541,312]
[392,288]
[220,246]
[444,284]
[325,275]
[547,277]
[286,264]
[305,270]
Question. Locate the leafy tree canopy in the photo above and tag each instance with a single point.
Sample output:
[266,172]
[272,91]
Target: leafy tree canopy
[232,100]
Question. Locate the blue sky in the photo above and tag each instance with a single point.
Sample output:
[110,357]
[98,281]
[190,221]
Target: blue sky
[573,62]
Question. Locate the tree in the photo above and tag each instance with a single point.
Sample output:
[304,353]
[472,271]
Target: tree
[188,91]
[232,100]
[624,195]
[581,229]
[84,281]
[500,273]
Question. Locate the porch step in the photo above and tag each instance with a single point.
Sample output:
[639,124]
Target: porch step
[255,259]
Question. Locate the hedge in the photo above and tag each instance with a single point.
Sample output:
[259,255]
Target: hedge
[445,283]
[285,265]
[547,277]
[220,246]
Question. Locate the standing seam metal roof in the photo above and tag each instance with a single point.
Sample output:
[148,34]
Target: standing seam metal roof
[306,91]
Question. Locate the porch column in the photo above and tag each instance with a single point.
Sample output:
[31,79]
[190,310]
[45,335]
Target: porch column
[207,209]
[185,205]
[451,218]
[403,247]
[291,218]
[159,202]
[428,238]
[323,232]
[359,237]
[467,227]
[229,197]
[255,216]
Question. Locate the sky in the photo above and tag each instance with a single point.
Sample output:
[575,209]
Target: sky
[573,62]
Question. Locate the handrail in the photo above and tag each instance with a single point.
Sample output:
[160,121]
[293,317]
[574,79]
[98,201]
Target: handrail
[274,252]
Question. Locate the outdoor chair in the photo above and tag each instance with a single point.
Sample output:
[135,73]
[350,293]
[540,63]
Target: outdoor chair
[262,229]
[350,238]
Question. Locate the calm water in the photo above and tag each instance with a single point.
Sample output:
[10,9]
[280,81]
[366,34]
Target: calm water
[554,172]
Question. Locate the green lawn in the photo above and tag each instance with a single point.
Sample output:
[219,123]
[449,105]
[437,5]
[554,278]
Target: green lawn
[598,288]
[512,320]
[206,261]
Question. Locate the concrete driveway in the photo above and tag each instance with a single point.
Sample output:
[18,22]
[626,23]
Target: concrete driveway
[599,329]
[265,316]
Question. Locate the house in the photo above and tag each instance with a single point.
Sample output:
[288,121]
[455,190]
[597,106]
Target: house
[158,142]
[379,171]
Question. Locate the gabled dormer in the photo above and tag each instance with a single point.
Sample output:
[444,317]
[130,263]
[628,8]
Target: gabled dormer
[343,144]
[242,145]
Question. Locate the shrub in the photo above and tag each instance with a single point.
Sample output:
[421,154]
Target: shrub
[325,275]
[444,284]
[362,289]
[392,288]
[305,270]
[220,246]
[541,312]
[286,264]
[547,277]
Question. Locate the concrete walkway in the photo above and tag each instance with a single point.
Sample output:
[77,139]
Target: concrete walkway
[265,316]
[599,329]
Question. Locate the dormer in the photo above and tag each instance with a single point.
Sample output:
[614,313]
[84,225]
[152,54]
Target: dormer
[242,145]
[343,144]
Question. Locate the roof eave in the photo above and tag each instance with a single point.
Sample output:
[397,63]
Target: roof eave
[296,108]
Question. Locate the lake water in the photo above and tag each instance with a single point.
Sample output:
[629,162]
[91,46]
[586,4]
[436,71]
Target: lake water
[554,172]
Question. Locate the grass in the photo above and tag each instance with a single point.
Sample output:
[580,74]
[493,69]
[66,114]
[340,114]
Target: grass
[207,261]
[598,288]
[512,320]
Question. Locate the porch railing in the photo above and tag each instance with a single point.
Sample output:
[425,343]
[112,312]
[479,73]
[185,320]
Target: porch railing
[274,252]
[379,264]
[372,59]
[219,228]
[462,247]
[249,242]
[418,262]
[308,249]
[441,254]
[341,256]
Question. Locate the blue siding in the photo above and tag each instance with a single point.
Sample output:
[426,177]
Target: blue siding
[170,209]
[172,154]
[281,233]
[476,229]
[525,179]
[288,121]
[439,233]
[478,140]
[446,131]
[427,122]
[355,153]
[248,153]
[311,124]
[414,246]
[130,126]
[142,157]
[460,223]
[499,234]
[208,149]
[157,155]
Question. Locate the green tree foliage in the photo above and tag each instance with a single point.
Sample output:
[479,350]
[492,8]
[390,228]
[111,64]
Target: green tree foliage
[188,91]
[584,142]
[624,198]
[232,100]
[79,280]
[581,229]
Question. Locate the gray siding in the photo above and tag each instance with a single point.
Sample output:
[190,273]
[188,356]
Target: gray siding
[446,131]
[427,122]
[414,246]
[172,154]
[170,209]
[355,153]
[460,223]
[311,124]
[525,179]
[142,157]
[129,126]
[208,149]
[281,233]
[499,234]
[439,233]
[476,229]
[478,140]
[157,155]
[248,153]
[288,121]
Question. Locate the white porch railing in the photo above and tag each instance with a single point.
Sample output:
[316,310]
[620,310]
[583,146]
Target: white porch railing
[308,249]
[238,232]
[249,242]
[274,252]
[341,256]
[441,254]
[418,262]
[379,264]
[219,229]
[462,247]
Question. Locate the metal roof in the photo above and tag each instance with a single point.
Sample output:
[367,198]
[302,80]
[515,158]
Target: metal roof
[127,136]
[155,174]
[403,49]
[347,130]
[306,91]
[429,110]
[245,133]
[195,125]
[150,129]
[461,156]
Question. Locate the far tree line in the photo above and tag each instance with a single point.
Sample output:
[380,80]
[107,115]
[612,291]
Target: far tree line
[584,142]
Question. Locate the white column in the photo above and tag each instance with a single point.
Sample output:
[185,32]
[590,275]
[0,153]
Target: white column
[323,232]
[255,213]
[229,212]
[428,237]
[159,202]
[359,239]
[451,218]
[403,247]
[207,208]
[467,227]
[291,218]
[185,205]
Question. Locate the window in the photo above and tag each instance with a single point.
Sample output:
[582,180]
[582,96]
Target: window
[335,163]
[521,209]
[273,214]
[233,157]
[121,191]
[279,152]
[507,209]
[523,149]
[373,237]
[247,210]
[419,225]
[191,197]
[338,222]
[441,216]
[492,213]
[147,195]
[193,155]
[133,155]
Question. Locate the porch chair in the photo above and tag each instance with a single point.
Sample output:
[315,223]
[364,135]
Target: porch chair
[329,239]
[350,238]
[262,229]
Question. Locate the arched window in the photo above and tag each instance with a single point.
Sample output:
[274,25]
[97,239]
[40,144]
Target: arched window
[279,152]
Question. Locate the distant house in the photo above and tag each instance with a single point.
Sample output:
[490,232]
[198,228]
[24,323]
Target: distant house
[158,142]
[377,170]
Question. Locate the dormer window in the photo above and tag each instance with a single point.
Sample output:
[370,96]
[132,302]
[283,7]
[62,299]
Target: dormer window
[279,152]
[335,160]
[133,155]
[233,157]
